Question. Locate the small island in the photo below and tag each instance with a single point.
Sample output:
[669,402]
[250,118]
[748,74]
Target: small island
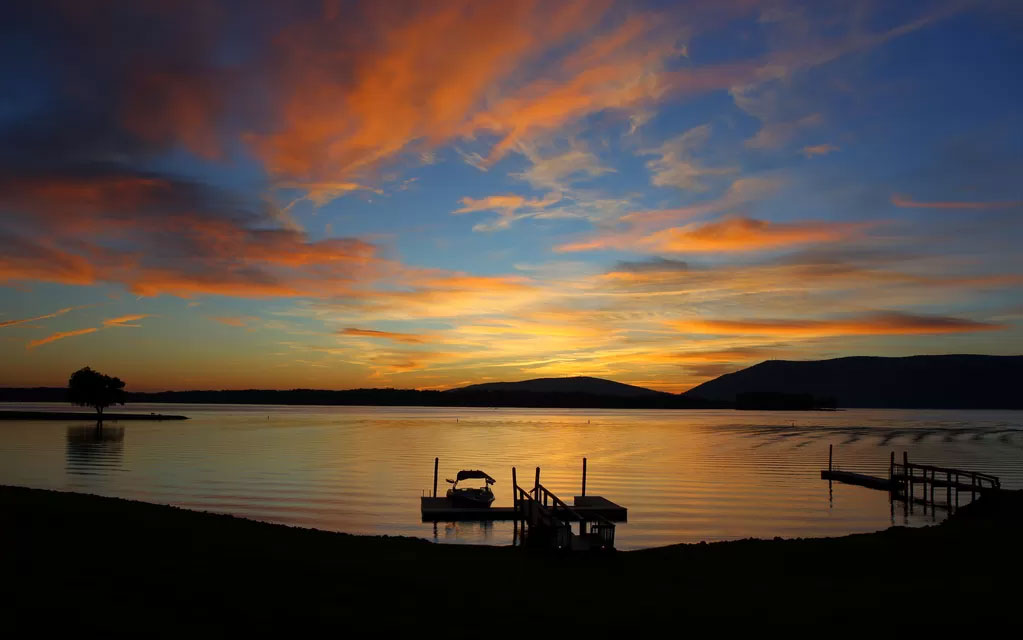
[90,388]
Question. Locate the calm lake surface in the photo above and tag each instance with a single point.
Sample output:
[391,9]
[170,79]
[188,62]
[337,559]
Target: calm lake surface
[685,476]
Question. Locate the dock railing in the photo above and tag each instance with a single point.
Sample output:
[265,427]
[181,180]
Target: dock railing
[540,508]
[909,473]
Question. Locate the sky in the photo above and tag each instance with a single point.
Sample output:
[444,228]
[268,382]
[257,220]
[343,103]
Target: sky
[431,194]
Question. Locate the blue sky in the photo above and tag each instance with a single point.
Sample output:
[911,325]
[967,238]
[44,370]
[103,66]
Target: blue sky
[345,194]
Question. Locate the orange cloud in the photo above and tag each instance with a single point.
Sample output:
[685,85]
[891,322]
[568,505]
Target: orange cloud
[635,226]
[903,201]
[179,238]
[819,150]
[60,335]
[59,312]
[164,107]
[873,324]
[235,321]
[125,321]
[746,234]
[385,335]
[332,121]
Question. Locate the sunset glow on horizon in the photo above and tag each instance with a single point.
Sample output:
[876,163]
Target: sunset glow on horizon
[434,194]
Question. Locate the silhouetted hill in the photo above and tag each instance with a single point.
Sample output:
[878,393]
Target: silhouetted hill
[914,382]
[578,384]
[625,397]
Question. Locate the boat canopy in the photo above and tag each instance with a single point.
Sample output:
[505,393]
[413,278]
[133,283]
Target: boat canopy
[465,475]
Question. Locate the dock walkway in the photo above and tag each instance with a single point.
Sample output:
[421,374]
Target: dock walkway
[540,517]
[903,480]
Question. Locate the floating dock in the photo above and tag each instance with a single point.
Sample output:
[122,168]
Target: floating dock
[441,509]
[539,516]
[903,480]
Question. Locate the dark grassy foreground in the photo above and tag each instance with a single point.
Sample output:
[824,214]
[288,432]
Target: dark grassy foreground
[106,564]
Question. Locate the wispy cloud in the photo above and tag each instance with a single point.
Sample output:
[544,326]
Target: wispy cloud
[676,164]
[126,321]
[393,336]
[819,150]
[235,321]
[59,312]
[906,202]
[60,335]
[870,324]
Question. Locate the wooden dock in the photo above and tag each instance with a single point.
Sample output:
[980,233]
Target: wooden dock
[859,479]
[903,480]
[539,516]
[441,509]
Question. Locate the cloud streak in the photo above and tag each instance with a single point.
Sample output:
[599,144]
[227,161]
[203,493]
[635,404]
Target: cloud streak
[870,324]
[59,312]
[908,203]
[60,335]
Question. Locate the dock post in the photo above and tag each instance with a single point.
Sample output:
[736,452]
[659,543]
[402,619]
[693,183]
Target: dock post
[436,461]
[973,487]
[891,467]
[536,485]
[908,490]
[515,508]
[584,477]
[829,458]
[948,489]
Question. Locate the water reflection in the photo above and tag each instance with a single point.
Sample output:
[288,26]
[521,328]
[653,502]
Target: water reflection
[685,476]
[476,531]
[94,450]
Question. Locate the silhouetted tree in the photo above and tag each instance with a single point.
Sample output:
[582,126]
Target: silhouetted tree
[88,388]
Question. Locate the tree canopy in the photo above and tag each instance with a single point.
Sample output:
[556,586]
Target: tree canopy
[88,388]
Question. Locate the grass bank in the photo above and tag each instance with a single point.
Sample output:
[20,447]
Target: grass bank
[106,564]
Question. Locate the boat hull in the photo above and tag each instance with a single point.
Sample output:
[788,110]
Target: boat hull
[471,498]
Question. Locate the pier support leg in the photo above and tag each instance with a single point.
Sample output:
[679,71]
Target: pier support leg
[948,489]
[436,461]
[908,490]
[584,477]
[829,457]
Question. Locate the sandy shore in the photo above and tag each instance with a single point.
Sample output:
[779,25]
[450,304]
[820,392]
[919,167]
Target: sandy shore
[109,564]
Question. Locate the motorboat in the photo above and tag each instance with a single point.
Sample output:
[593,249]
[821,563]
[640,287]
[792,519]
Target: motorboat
[472,497]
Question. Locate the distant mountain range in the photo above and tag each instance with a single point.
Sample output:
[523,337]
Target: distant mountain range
[914,382]
[578,384]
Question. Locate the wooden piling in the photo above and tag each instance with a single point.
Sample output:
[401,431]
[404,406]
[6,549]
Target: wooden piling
[436,462]
[891,466]
[584,478]
[536,484]
[948,489]
[908,490]
[515,507]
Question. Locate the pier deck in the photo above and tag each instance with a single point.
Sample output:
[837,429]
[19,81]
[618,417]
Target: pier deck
[860,479]
[441,509]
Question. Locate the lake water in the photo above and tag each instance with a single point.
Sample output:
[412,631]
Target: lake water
[685,476]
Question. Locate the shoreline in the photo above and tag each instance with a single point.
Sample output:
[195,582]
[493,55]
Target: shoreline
[83,415]
[190,568]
